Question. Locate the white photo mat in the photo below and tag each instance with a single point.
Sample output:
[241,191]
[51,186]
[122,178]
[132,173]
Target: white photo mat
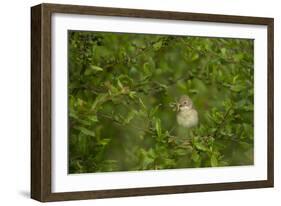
[64,182]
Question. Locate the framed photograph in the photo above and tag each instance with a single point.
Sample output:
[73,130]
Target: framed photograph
[132,102]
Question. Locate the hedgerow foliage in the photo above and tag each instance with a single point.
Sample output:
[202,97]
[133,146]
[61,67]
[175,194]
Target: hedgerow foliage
[122,88]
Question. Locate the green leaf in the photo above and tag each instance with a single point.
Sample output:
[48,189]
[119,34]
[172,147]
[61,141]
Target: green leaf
[104,142]
[80,167]
[146,157]
[85,131]
[223,51]
[194,57]
[96,68]
[132,94]
[84,122]
[142,104]
[193,91]
[214,161]
[157,45]
[201,146]
[158,127]
[154,110]
[195,156]
[100,99]
[130,116]
[92,69]
[147,70]
[73,115]
[245,145]
[237,88]
[235,78]
[238,57]
[181,152]
[93,118]
[120,85]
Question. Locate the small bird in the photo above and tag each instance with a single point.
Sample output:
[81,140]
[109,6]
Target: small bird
[187,116]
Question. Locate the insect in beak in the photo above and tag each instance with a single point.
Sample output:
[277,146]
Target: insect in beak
[178,107]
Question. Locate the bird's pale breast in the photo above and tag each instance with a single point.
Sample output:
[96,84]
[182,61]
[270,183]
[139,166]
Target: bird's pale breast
[187,118]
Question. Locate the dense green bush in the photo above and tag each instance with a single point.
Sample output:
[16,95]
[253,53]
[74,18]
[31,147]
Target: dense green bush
[122,90]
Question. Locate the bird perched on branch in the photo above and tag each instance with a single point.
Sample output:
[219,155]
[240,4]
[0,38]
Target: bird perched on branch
[187,116]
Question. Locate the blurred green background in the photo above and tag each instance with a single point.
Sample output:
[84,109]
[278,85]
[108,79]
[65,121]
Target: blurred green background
[123,89]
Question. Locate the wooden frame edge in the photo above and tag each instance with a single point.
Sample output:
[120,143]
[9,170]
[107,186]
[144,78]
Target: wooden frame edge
[84,195]
[270,102]
[157,14]
[36,58]
[40,103]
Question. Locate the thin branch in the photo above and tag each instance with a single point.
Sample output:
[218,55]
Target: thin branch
[222,122]
[127,59]
[156,89]
[120,124]
[213,54]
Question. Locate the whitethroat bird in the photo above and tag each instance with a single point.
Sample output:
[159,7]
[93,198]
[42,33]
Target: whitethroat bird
[187,116]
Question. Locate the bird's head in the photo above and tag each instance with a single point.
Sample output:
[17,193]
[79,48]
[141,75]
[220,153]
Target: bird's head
[184,103]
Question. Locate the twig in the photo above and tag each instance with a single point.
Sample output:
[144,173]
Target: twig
[156,89]
[228,60]
[127,59]
[171,130]
[222,122]
[120,124]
